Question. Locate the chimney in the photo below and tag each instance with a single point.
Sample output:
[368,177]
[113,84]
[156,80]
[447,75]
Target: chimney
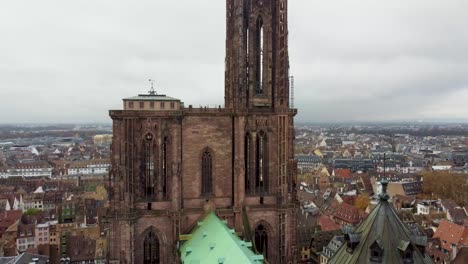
[454,251]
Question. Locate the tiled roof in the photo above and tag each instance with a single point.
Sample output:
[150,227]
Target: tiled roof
[458,215]
[449,204]
[347,213]
[81,248]
[8,218]
[343,173]
[452,234]
[327,224]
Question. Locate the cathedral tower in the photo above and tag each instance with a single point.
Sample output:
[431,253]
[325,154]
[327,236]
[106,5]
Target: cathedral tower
[257,61]
[172,163]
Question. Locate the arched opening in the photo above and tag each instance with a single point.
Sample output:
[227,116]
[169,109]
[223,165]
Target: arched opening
[261,240]
[261,164]
[207,173]
[151,248]
[148,181]
[247,158]
[164,166]
[259,56]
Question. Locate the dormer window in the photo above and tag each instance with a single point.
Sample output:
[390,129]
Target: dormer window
[406,251]
[376,251]
[352,241]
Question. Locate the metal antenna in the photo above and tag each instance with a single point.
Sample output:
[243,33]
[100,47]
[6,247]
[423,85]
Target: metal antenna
[152,91]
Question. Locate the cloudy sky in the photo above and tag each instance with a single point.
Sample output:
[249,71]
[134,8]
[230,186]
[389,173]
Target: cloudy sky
[71,61]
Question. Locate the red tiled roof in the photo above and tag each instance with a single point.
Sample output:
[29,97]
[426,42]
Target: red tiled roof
[327,224]
[343,173]
[8,218]
[403,198]
[349,199]
[348,213]
[450,233]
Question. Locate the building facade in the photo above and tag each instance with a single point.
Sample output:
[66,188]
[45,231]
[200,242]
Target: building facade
[172,164]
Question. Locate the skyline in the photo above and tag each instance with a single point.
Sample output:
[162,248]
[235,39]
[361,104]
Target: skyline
[359,62]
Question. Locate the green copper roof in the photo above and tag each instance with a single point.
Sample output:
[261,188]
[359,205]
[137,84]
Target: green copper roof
[382,229]
[214,242]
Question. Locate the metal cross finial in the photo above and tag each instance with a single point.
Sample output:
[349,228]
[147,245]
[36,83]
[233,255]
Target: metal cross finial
[152,91]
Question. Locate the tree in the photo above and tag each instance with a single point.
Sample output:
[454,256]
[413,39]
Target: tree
[446,185]
[362,202]
[32,211]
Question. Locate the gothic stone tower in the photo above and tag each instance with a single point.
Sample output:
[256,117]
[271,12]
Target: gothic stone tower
[171,164]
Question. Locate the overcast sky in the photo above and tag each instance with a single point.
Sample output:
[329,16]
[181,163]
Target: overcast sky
[71,61]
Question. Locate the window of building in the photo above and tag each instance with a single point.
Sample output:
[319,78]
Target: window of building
[162,105]
[261,240]
[149,179]
[130,105]
[259,56]
[172,105]
[152,105]
[164,165]
[247,162]
[151,249]
[142,105]
[261,164]
[207,173]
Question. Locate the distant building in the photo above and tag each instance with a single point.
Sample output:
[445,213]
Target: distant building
[460,158]
[345,214]
[25,258]
[43,234]
[26,237]
[423,208]
[405,188]
[306,163]
[330,250]
[37,169]
[102,139]
[92,167]
[452,237]
[354,164]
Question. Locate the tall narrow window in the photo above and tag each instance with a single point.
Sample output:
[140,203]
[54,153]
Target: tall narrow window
[149,181]
[261,240]
[207,173]
[259,56]
[261,166]
[164,166]
[151,249]
[247,146]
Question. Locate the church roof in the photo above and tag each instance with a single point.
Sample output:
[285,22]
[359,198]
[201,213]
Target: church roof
[382,238]
[214,242]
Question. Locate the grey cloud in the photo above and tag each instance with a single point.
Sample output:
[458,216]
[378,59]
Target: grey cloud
[71,61]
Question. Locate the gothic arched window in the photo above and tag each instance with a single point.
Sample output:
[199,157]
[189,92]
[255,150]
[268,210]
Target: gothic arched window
[247,160]
[261,166]
[149,170]
[164,165]
[151,249]
[261,240]
[259,46]
[207,173]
